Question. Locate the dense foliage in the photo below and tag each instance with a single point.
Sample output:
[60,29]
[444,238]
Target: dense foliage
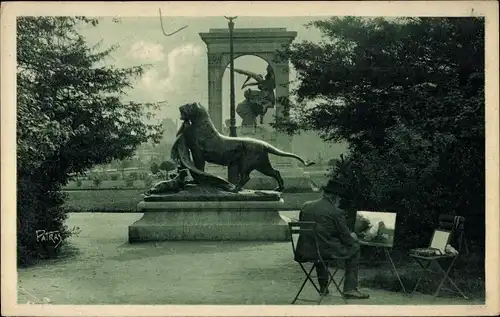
[167,166]
[70,117]
[154,168]
[408,97]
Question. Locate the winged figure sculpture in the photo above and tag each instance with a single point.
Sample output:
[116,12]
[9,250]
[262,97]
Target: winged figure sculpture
[256,102]
[250,75]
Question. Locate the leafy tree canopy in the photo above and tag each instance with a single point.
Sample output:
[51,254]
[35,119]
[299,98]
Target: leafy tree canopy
[375,73]
[154,168]
[70,117]
[408,97]
[70,110]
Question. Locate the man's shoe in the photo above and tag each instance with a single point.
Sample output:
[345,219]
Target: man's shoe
[356,294]
[324,291]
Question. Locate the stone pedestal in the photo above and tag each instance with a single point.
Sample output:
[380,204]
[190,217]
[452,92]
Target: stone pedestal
[210,215]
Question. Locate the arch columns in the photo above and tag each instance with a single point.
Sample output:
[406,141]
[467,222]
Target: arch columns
[284,141]
[215,73]
[261,42]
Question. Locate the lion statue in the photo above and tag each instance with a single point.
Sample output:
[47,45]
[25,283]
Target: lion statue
[206,144]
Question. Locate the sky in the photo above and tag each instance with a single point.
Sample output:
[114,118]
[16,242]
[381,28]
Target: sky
[179,67]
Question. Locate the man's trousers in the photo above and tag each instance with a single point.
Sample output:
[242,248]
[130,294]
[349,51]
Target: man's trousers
[351,273]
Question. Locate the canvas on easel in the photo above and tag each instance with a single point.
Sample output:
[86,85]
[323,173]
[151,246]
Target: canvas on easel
[375,228]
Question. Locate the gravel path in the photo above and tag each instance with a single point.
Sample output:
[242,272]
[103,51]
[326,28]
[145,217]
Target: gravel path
[108,270]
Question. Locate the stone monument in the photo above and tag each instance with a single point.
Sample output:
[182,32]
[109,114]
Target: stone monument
[207,213]
[264,43]
[197,205]
[256,102]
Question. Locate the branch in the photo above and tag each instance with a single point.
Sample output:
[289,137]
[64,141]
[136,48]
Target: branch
[163,30]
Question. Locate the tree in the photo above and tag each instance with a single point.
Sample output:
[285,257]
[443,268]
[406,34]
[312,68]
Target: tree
[169,129]
[408,97]
[71,116]
[97,180]
[163,149]
[125,163]
[361,226]
[167,166]
[154,168]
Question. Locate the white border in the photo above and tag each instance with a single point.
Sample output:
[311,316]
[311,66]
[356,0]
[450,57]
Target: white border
[10,10]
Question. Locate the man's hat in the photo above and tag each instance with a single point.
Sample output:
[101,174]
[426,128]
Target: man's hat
[333,186]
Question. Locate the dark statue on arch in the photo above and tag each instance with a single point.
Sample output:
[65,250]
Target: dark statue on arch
[256,102]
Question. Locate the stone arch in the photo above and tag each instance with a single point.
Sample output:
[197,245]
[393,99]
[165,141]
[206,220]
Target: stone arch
[260,42]
[251,62]
[265,57]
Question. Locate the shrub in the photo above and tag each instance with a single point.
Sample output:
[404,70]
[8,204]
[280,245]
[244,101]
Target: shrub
[66,121]
[362,225]
[167,166]
[38,208]
[155,168]
[332,162]
[134,176]
[97,181]
[420,162]
[129,182]
[79,183]
[148,182]
[114,177]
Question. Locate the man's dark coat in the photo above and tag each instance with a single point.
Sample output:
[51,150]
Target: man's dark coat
[334,237]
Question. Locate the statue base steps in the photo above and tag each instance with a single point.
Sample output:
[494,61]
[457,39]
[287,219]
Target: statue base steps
[209,221]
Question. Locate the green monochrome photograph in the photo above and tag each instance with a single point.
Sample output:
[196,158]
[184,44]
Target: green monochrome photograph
[234,158]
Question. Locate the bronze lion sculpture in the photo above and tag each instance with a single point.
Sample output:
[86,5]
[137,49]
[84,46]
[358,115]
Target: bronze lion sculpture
[206,144]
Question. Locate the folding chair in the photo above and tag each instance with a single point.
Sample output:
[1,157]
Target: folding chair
[455,225]
[305,228]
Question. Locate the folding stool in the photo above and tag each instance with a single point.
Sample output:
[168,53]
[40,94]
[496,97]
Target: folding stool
[303,227]
[454,224]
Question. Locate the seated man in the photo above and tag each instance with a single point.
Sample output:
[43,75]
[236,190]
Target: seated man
[335,241]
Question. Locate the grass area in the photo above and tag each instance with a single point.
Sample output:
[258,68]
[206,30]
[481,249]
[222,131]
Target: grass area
[85,184]
[103,200]
[114,196]
[106,184]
